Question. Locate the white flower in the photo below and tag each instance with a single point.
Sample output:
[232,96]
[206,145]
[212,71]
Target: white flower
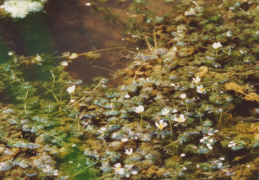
[102,130]
[35,6]
[64,63]
[20,8]
[119,169]
[220,164]
[71,89]
[175,110]
[180,119]
[129,152]
[216,45]
[38,58]
[88,4]
[165,111]
[196,80]
[134,172]
[229,33]
[183,96]
[124,139]
[55,172]
[139,109]
[127,96]
[190,12]
[73,56]
[209,146]
[200,89]
[161,124]
[182,155]
[232,144]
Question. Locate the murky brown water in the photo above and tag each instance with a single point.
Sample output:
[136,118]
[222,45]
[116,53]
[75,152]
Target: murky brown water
[78,28]
[74,27]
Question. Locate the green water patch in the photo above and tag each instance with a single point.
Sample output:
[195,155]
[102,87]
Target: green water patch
[35,34]
[3,51]
[78,168]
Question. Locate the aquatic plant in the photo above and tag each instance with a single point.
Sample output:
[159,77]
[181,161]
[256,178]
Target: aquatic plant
[194,71]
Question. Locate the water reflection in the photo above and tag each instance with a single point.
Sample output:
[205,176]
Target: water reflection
[66,26]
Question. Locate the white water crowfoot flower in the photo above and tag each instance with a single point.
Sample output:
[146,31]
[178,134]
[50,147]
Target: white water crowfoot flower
[139,109]
[201,89]
[64,63]
[216,45]
[161,124]
[183,96]
[118,169]
[165,111]
[196,80]
[20,8]
[71,89]
[129,152]
[180,119]
[232,144]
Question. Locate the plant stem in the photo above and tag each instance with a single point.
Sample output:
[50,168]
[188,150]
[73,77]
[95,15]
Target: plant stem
[141,119]
[220,117]
[186,106]
[170,123]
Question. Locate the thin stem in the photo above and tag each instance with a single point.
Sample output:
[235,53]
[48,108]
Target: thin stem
[154,33]
[186,105]
[100,82]
[102,68]
[26,95]
[106,176]
[54,80]
[170,123]
[106,147]
[168,145]
[141,120]
[148,44]
[82,170]
[100,50]
[220,117]
[78,123]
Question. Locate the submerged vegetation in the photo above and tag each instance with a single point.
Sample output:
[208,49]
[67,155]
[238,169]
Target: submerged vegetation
[186,105]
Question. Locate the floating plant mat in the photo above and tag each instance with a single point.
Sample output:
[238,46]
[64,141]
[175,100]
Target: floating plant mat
[186,106]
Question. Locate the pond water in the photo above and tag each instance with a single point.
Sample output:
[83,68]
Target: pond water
[68,26]
[182,105]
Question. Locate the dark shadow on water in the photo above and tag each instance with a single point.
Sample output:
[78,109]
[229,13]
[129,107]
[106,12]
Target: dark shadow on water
[65,26]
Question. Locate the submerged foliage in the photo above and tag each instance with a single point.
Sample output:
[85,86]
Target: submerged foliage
[186,106]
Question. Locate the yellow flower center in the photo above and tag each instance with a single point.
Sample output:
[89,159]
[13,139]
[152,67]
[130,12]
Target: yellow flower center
[160,126]
[118,168]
